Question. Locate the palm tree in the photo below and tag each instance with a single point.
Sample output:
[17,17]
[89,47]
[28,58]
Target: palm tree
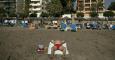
[109,14]
[80,16]
[27,6]
[99,4]
[68,3]
[93,12]
[81,7]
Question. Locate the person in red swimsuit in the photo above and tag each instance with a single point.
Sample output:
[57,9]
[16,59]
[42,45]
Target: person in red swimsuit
[58,46]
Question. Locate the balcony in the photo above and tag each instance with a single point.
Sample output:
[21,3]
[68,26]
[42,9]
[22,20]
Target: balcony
[36,0]
[87,5]
[87,9]
[35,9]
[87,2]
[33,4]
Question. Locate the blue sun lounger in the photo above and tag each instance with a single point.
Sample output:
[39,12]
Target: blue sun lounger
[73,27]
[63,27]
[113,27]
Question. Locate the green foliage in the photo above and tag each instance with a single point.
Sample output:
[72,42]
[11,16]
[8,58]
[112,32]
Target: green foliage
[80,14]
[22,15]
[94,14]
[64,3]
[93,7]
[109,14]
[112,6]
[57,14]
[44,14]
[54,8]
[2,12]
[27,6]
[2,15]
[96,6]
[33,15]
[100,4]
[12,15]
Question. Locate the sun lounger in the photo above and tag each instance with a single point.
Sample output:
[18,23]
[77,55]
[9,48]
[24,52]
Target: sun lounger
[73,27]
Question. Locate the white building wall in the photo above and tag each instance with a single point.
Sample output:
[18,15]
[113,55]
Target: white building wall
[38,8]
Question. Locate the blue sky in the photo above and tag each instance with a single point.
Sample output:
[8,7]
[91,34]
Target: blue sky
[108,2]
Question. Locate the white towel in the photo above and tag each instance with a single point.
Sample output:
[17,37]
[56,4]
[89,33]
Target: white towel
[65,45]
[49,47]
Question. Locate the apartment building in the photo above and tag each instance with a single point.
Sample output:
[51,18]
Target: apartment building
[20,6]
[86,5]
[36,7]
[9,6]
[44,5]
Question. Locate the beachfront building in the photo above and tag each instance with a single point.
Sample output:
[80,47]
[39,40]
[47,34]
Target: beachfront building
[20,6]
[86,5]
[36,7]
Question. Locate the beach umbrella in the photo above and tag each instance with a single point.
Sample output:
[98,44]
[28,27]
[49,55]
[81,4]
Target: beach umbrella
[113,27]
